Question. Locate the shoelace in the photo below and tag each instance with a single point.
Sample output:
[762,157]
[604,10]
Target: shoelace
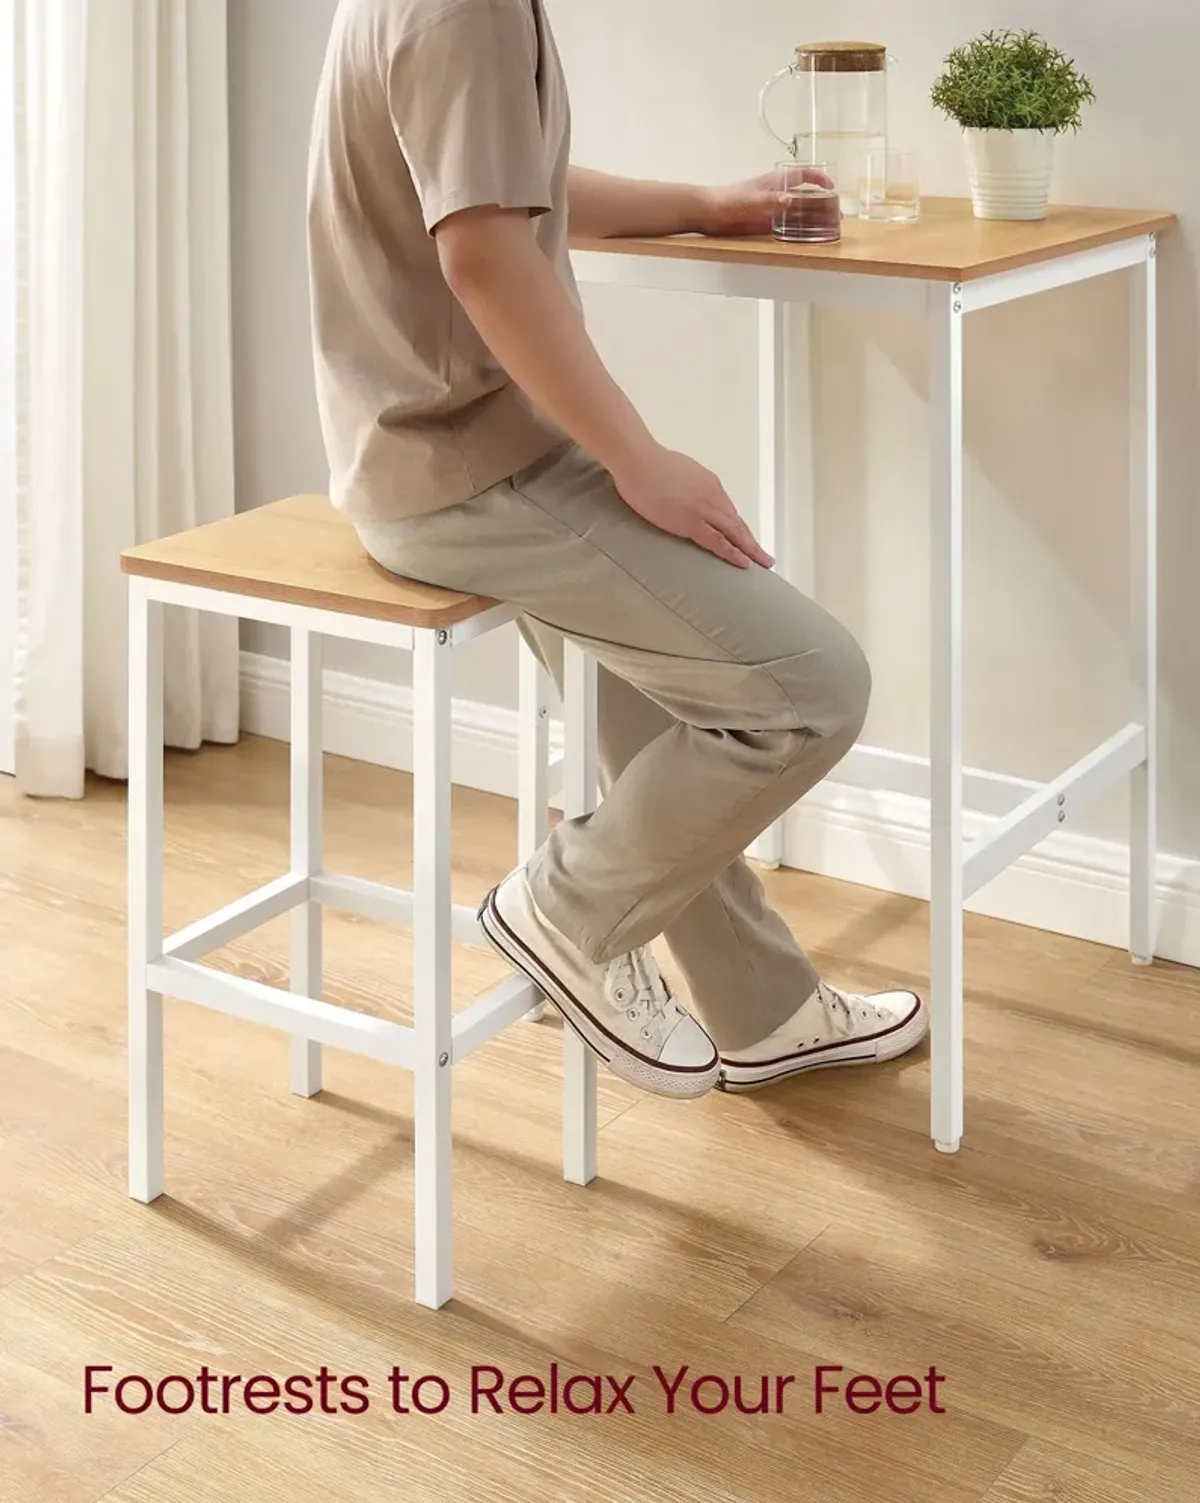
[841,1009]
[635,984]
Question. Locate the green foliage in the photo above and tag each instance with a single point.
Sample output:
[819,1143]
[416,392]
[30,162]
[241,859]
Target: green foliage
[1012,80]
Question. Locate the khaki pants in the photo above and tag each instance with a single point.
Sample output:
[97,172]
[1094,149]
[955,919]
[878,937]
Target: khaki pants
[725,695]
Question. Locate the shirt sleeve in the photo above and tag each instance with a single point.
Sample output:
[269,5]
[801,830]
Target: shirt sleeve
[463,97]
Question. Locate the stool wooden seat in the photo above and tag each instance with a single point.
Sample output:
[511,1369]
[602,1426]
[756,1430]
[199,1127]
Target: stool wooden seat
[304,552]
[299,564]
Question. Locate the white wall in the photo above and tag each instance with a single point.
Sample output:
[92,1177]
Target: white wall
[670,89]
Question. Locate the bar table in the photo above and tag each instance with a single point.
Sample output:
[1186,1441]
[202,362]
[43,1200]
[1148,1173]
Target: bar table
[942,268]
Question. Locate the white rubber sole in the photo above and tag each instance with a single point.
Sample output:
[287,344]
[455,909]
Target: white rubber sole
[658,1080]
[739,1078]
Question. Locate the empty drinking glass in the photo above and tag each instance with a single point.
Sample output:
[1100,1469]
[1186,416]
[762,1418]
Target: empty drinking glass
[810,210]
[890,189]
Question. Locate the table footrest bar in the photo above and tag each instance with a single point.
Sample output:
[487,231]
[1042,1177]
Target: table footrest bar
[495,1011]
[392,905]
[304,1017]
[230,923]
[1051,806]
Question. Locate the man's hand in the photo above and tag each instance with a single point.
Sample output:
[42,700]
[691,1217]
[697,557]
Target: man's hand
[748,208]
[679,496]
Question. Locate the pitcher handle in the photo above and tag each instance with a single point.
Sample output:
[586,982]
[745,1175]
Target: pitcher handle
[788,141]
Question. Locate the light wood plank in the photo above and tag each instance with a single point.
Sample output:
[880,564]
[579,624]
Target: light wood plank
[52,1452]
[1021,1349]
[1046,1474]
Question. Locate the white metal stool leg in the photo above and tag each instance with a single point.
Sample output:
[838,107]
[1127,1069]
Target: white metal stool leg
[307,820]
[533,758]
[580,792]
[533,754]
[1143,562]
[432,921]
[145,843]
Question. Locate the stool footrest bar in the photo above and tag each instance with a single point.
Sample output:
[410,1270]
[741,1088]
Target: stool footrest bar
[230,923]
[255,1002]
[393,905]
[495,1011]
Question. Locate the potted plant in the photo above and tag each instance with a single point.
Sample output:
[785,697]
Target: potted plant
[1012,94]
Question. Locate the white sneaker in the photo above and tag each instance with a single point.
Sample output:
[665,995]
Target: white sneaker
[831,1028]
[623,1010]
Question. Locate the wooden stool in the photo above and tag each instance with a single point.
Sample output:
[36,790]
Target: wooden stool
[299,564]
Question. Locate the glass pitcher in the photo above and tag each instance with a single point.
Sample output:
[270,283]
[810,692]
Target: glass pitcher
[839,111]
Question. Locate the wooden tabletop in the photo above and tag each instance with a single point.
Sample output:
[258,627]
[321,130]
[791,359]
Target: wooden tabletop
[303,552]
[947,243]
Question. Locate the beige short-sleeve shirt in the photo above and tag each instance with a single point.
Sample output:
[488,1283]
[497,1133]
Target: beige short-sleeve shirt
[425,108]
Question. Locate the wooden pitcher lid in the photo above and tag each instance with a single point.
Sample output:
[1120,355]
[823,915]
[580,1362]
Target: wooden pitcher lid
[841,57]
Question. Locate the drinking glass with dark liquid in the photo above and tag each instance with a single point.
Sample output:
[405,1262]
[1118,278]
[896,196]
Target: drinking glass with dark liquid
[810,207]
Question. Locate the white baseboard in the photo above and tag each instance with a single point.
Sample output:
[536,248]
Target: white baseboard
[372,721]
[850,829]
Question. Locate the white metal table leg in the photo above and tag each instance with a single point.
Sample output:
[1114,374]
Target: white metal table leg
[946,729]
[307,820]
[533,757]
[580,791]
[145,917]
[1143,560]
[772,489]
[432,961]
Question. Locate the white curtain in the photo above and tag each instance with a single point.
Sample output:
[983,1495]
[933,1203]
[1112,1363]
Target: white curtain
[122,363]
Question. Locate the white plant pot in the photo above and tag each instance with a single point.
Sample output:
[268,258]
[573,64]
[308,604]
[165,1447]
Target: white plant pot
[1010,172]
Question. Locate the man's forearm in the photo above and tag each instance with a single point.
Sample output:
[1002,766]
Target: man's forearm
[513,297]
[511,293]
[605,206]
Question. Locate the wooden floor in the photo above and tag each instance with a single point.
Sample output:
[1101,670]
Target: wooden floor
[1051,1271]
